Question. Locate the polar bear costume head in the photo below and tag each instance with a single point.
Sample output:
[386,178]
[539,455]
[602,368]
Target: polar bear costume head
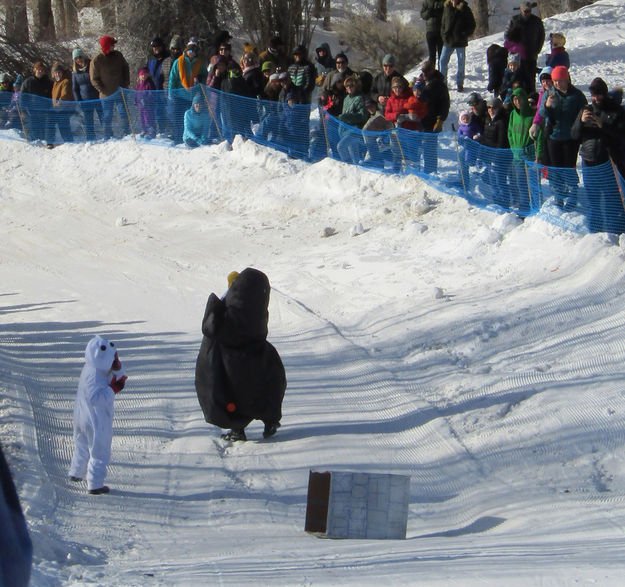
[100,354]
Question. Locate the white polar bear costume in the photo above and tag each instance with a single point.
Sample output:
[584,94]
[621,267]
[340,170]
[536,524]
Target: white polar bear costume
[93,412]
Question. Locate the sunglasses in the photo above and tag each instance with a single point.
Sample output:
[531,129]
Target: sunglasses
[398,88]
[387,65]
[339,61]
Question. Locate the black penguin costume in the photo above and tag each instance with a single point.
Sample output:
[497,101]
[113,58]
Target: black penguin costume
[239,376]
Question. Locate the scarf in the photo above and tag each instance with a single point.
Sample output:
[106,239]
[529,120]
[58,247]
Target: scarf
[182,69]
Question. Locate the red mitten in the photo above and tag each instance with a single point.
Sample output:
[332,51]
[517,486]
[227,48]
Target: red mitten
[118,384]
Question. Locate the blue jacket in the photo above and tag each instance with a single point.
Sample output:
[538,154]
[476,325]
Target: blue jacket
[563,113]
[81,85]
[196,124]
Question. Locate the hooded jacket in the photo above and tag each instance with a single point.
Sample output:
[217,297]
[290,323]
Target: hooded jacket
[519,122]
[196,124]
[326,63]
[239,375]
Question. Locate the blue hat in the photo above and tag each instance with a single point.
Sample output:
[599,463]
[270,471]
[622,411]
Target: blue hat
[419,85]
[545,71]
[388,58]
[197,99]
[78,52]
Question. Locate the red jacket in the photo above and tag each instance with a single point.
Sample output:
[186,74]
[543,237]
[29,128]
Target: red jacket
[406,103]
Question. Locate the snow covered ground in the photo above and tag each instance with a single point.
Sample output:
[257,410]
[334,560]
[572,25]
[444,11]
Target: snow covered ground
[481,356]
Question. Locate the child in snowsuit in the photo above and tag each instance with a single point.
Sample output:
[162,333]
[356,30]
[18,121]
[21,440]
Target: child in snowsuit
[145,103]
[102,377]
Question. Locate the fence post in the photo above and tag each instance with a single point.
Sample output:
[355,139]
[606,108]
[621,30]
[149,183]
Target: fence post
[132,129]
[529,189]
[19,113]
[618,183]
[464,185]
[325,130]
[401,151]
[210,111]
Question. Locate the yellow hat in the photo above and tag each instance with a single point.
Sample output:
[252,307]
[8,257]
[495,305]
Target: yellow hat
[231,277]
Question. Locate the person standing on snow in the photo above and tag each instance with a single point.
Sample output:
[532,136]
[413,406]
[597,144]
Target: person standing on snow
[109,71]
[525,35]
[457,25]
[102,377]
[239,376]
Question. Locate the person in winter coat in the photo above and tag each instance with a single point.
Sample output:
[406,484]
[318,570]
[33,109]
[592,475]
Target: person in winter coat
[324,62]
[158,57]
[276,53]
[479,110]
[558,55]
[85,93]
[396,104]
[354,114]
[432,14]
[196,123]
[302,73]
[176,48]
[239,376]
[381,85]
[457,25]
[186,72]
[498,158]
[519,123]
[101,379]
[526,30]
[468,126]
[341,71]
[34,110]
[62,102]
[145,99]
[600,128]
[109,72]
[561,107]
[512,78]
[16,548]
[154,64]
[496,59]
[6,93]
[252,75]
[12,119]
[436,96]
[537,131]
[376,123]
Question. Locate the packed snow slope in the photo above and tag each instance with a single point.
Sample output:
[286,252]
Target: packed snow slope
[480,355]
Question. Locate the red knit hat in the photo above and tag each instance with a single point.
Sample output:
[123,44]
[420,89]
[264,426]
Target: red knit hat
[559,73]
[107,43]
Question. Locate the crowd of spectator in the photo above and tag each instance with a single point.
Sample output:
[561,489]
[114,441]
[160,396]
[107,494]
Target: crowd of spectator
[547,126]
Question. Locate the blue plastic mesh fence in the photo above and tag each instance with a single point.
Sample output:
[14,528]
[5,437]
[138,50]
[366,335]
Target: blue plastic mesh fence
[584,199]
